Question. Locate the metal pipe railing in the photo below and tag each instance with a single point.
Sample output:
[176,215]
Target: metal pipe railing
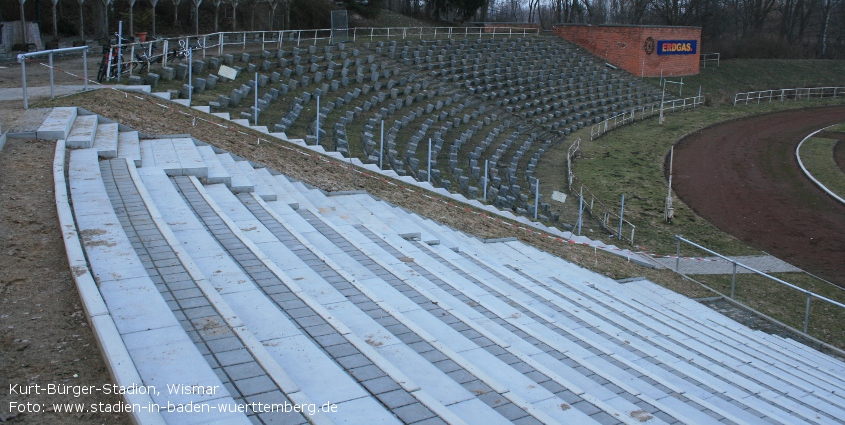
[22,59]
[627,117]
[783,94]
[810,295]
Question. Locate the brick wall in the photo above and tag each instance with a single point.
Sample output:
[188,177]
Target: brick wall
[623,46]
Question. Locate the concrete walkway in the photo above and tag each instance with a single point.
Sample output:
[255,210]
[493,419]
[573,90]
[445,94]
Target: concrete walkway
[716,265]
[41,92]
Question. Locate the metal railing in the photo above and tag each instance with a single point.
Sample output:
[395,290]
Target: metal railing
[439,32]
[570,155]
[809,294]
[785,94]
[641,113]
[598,210]
[50,53]
[709,57]
[217,42]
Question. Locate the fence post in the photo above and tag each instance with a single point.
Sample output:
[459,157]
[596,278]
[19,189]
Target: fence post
[52,83]
[621,214]
[536,197]
[486,161]
[318,117]
[678,256]
[381,148]
[428,169]
[580,210]
[733,282]
[23,72]
[255,120]
[85,68]
[164,58]
[220,44]
[807,312]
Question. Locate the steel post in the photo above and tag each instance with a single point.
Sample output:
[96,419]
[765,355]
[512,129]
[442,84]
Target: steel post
[381,148]
[733,281]
[807,313]
[52,79]
[621,214]
[23,73]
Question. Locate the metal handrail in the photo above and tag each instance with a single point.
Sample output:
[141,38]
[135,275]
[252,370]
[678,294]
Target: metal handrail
[22,59]
[627,117]
[709,57]
[783,94]
[810,295]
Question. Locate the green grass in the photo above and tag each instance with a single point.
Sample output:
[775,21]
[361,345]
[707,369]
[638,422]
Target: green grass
[629,160]
[720,84]
[788,305]
[817,156]
[839,128]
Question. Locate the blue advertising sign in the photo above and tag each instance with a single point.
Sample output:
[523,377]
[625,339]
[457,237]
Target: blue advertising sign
[677,47]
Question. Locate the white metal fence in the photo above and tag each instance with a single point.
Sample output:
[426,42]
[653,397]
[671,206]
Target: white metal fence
[22,58]
[641,113]
[216,43]
[787,94]
[711,58]
[608,219]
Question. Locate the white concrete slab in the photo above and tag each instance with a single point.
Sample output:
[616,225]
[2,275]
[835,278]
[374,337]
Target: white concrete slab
[129,146]
[189,159]
[240,184]
[57,125]
[216,172]
[261,188]
[82,133]
[105,140]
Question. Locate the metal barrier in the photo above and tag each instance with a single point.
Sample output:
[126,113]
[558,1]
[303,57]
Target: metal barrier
[598,130]
[709,57]
[600,211]
[22,59]
[216,42]
[784,94]
[439,32]
[570,155]
[810,295]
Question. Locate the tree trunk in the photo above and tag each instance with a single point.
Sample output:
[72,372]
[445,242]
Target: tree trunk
[55,23]
[81,20]
[154,3]
[234,15]
[216,14]
[131,18]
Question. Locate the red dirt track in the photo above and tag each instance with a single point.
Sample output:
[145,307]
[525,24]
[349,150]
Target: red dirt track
[743,177]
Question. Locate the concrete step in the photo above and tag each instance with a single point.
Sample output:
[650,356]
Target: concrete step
[159,347]
[177,157]
[243,122]
[57,125]
[83,132]
[313,373]
[129,146]
[245,235]
[261,189]
[162,94]
[216,172]
[240,183]
[224,115]
[105,140]
[205,109]
[183,102]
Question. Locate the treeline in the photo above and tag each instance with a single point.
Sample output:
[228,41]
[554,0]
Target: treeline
[734,28]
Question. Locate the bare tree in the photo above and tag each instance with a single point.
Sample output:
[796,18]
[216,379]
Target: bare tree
[154,3]
[196,13]
[176,12]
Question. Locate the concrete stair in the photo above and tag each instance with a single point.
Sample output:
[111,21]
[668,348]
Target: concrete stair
[273,290]
[106,140]
[82,133]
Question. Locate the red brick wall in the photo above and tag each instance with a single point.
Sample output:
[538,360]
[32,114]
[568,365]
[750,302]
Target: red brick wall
[623,46]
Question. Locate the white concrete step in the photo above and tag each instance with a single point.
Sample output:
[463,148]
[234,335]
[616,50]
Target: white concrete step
[261,189]
[159,347]
[58,123]
[162,94]
[183,102]
[177,157]
[216,172]
[82,133]
[205,109]
[274,185]
[243,122]
[129,146]
[105,140]
[224,115]
[312,370]
[239,182]
[432,380]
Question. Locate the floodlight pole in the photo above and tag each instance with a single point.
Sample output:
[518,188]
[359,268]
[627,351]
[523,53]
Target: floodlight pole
[255,120]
